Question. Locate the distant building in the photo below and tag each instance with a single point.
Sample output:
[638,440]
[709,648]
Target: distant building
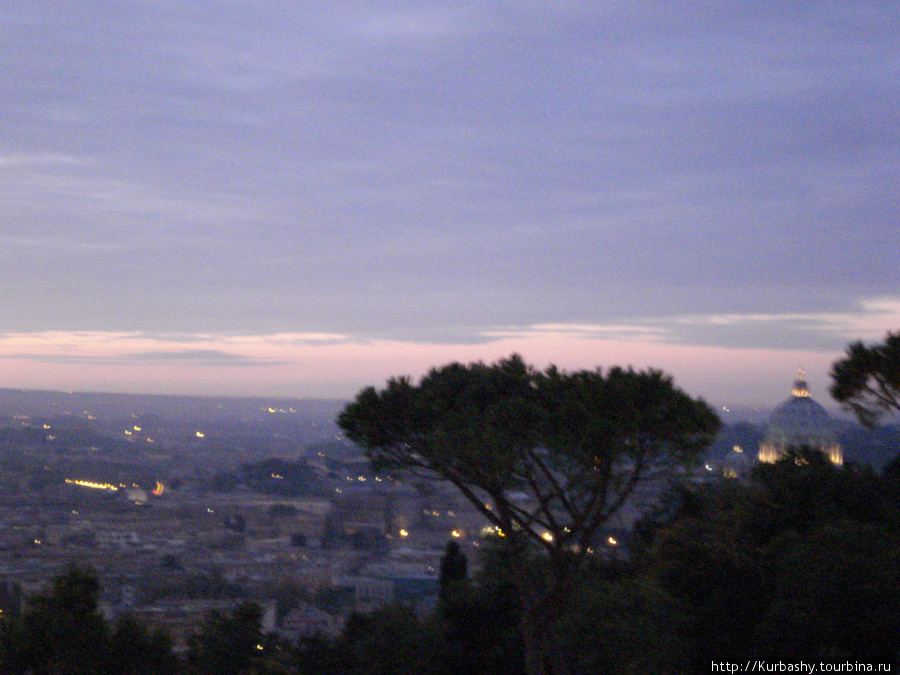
[736,464]
[118,538]
[800,422]
[305,621]
[370,593]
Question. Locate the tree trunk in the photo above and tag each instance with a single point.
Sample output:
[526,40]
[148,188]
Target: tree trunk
[534,644]
[535,629]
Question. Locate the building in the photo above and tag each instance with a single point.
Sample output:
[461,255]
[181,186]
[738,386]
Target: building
[305,621]
[800,423]
[736,464]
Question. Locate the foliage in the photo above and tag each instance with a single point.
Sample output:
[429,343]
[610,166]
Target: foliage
[454,570]
[62,632]
[480,622]
[288,595]
[133,650]
[391,640]
[804,490]
[867,379]
[276,476]
[623,625]
[576,445]
[228,644]
[10,599]
[805,550]
[837,594]
[801,562]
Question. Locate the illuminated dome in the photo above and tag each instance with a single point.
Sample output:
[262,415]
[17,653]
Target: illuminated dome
[798,423]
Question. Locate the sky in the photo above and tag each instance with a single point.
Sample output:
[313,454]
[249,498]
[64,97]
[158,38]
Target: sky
[245,197]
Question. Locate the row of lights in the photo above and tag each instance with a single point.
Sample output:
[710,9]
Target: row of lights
[489,530]
[157,490]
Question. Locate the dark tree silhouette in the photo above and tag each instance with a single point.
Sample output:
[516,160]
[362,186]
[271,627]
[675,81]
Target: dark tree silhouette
[228,643]
[576,444]
[454,569]
[867,379]
[133,650]
[62,632]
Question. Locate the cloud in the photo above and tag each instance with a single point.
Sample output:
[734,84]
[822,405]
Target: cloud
[210,357]
[41,159]
[288,339]
[871,321]
[197,357]
[784,331]
[136,348]
[58,244]
[410,24]
[338,365]
[624,332]
[332,175]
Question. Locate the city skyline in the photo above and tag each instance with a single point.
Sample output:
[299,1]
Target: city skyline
[243,199]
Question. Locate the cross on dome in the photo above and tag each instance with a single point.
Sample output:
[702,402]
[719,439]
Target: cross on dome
[800,387]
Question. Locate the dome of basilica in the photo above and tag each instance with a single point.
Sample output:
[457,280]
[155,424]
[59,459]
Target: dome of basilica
[799,422]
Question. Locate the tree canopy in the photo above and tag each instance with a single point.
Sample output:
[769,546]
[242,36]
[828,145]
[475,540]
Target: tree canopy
[867,379]
[547,457]
[62,631]
[576,443]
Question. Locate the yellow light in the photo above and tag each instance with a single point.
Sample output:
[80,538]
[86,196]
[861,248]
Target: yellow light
[404,533]
[200,434]
[611,541]
[547,536]
[488,529]
[90,484]
[455,533]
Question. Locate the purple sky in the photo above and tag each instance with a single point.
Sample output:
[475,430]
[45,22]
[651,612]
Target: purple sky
[270,198]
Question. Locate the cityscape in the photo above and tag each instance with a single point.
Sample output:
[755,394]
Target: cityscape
[421,338]
[183,506]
